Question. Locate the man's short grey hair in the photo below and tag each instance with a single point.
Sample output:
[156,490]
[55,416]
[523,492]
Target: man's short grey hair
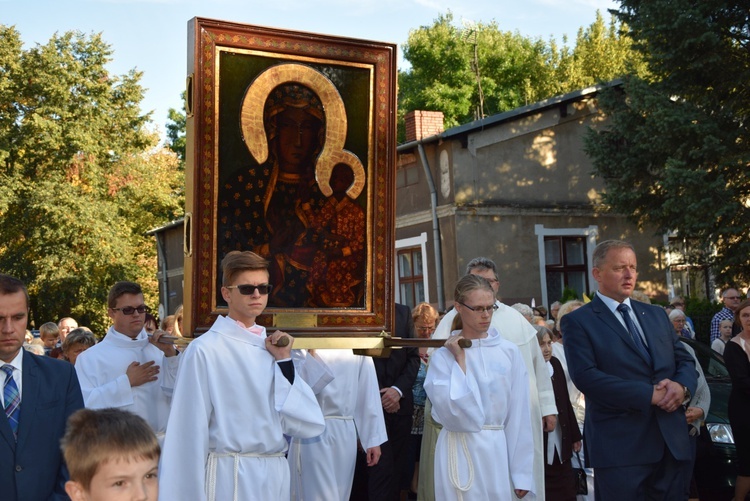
[481,264]
[554,305]
[525,310]
[601,250]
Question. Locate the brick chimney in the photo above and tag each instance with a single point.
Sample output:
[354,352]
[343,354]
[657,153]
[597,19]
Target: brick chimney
[422,124]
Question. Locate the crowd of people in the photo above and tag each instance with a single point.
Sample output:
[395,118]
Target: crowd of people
[600,401]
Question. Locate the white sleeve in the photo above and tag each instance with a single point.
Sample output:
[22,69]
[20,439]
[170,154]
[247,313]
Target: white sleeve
[313,369]
[456,402]
[297,406]
[518,433]
[183,460]
[368,413]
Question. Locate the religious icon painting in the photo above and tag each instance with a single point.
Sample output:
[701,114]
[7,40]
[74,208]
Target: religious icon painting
[291,155]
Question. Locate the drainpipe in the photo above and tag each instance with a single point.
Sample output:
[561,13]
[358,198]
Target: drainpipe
[435,228]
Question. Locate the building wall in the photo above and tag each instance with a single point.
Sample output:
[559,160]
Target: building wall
[501,187]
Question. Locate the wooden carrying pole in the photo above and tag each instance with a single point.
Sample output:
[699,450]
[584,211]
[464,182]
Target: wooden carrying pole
[372,346]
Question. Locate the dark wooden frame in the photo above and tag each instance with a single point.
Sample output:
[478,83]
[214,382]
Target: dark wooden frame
[209,41]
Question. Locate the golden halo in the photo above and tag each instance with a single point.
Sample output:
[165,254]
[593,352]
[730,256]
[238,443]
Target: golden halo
[254,133]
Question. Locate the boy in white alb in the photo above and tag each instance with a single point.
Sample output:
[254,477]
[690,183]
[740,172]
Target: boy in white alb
[236,397]
[127,369]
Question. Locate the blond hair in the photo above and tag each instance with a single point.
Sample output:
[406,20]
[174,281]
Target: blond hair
[48,330]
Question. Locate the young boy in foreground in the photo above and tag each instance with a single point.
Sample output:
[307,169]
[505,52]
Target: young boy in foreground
[112,455]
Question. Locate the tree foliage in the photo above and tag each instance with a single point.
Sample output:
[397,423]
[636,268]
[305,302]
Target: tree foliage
[450,64]
[176,131]
[675,153]
[80,177]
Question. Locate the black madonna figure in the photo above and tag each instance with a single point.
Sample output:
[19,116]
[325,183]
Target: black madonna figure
[266,208]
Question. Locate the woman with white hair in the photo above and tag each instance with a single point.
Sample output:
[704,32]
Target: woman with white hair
[678,319]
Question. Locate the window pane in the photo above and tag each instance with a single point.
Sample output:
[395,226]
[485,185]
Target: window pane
[404,264]
[419,286]
[577,282]
[407,295]
[574,252]
[554,286]
[417,257]
[552,252]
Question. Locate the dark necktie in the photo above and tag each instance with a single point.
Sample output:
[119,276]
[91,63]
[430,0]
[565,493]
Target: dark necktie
[624,310]
[12,399]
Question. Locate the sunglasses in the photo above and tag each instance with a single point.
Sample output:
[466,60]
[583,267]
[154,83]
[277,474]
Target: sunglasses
[247,289]
[129,310]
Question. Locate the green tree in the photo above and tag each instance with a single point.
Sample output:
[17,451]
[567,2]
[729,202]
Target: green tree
[674,155]
[176,131]
[81,179]
[444,74]
[449,66]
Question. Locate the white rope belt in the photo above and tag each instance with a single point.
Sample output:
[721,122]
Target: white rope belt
[213,458]
[345,418]
[453,474]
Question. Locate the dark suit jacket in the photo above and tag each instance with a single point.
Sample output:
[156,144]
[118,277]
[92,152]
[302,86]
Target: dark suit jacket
[401,367]
[32,468]
[622,428]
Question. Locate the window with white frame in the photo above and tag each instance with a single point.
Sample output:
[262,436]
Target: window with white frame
[411,274]
[565,256]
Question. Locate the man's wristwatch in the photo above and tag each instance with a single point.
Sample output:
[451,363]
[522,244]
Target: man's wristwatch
[688,396]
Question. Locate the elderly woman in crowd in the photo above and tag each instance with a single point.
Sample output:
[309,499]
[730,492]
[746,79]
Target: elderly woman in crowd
[560,443]
[76,342]
[577,399]
[425,321]
[678,319]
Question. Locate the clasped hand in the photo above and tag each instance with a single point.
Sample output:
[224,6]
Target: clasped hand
[668,395]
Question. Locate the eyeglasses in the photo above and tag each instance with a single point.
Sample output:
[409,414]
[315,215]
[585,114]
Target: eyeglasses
[248,289]
[426,328]
[480,309]
[733,298]
[129,310]
[678,304]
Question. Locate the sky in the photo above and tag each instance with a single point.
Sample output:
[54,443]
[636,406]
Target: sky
[151,35]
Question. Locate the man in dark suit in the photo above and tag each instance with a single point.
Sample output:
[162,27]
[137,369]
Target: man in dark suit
[636,376]
[39,394]
[396,375]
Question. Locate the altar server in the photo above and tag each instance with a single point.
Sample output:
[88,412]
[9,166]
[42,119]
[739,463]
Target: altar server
[480,395]
[236,397]
[127,369]
[323,467]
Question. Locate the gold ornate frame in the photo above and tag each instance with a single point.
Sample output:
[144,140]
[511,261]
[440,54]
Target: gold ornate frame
[360,131]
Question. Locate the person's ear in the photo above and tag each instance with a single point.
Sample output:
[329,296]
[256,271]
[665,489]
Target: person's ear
[225,294]
[75,490]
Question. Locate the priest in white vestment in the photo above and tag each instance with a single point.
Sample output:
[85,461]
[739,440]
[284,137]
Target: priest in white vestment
[513,327]
[236,397]
[323,467]
[480,395]
[127,370]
